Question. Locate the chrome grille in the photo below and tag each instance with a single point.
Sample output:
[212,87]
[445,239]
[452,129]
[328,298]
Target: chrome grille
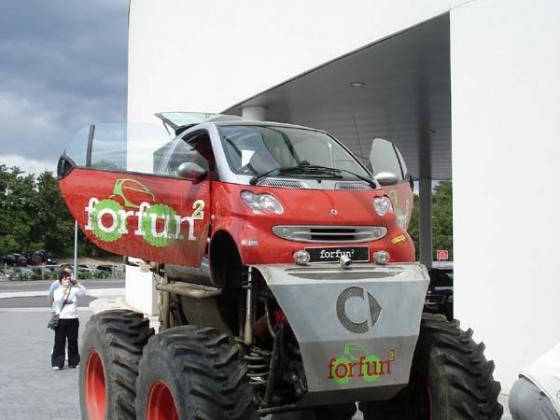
[330,234]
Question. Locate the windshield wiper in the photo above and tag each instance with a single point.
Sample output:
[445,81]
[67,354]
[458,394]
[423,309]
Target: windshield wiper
[326,168]
[369,181]
[278,170]
[310,169]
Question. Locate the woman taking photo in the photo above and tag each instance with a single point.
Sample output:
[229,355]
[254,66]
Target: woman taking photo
[66,306]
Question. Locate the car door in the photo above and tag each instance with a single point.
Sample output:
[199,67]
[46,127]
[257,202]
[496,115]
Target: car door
[386,158]
[120,188]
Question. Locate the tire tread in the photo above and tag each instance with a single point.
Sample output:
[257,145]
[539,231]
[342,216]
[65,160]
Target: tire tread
[459,366]
[208,367]
[475,392]
[124,333]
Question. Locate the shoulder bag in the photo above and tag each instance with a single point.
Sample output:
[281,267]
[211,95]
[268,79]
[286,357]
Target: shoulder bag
[55,319]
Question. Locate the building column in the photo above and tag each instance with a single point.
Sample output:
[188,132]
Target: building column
[426,246]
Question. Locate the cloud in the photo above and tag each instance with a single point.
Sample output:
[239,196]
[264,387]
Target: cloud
[29,166]
[63,66]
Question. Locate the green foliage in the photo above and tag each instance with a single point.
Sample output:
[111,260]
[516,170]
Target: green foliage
[16,206]
[54,226]
[414,226]
[44,274]
[442,219]
[33,214]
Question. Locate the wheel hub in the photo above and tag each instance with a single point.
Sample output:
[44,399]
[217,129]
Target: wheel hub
[161,405]
[96,402]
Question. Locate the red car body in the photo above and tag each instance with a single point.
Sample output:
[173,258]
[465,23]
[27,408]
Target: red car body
[170,219]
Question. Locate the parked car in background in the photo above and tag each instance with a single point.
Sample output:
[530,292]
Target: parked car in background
[42,257]
[108,269]
[27,256]
[111,271]
[439,298]
[14,259]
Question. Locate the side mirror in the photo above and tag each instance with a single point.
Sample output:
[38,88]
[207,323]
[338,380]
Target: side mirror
[386,178]
[190,170]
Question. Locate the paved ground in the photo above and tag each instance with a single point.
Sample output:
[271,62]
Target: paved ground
[29,388]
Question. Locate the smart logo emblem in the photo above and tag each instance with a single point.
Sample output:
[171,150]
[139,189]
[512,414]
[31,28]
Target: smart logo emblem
[158,224]
[357,362]
[341,310]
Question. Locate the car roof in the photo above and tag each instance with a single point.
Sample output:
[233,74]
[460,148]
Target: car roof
[182,121]
[263,123]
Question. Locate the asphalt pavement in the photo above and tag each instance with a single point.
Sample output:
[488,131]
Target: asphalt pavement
[29,388]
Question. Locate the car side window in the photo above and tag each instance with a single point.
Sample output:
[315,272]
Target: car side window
[202,153]
[168,158]
[194,148]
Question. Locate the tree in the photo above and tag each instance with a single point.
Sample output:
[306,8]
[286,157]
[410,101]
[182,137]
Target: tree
[54,227]
[17,208]
[33,214]
[414,225]
[442,219]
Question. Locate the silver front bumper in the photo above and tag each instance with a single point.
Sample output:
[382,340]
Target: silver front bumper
[356,327]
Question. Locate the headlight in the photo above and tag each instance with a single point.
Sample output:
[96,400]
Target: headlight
[262,202]
[382,205]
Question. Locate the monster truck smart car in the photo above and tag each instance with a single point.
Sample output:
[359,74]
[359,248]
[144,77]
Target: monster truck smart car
[286,275]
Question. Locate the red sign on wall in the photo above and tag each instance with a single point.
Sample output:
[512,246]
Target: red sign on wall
[442,254]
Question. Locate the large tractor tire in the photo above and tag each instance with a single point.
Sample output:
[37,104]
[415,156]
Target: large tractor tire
[450,379]
[112,346]
[191,372]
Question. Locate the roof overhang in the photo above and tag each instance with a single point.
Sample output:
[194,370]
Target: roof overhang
[397,88]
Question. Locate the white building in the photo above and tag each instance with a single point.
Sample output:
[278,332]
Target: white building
[478,77]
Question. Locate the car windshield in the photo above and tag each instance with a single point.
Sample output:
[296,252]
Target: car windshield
[256,150]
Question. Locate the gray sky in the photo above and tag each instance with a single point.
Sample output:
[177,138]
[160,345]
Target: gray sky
[63,65]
